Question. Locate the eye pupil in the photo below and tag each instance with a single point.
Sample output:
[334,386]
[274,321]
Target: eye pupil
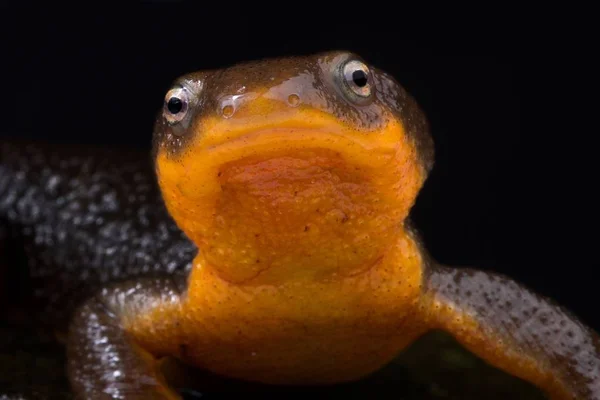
[359,77]
[356,80]
[175,105]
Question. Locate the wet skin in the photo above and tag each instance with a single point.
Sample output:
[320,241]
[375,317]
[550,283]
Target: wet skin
[267,240]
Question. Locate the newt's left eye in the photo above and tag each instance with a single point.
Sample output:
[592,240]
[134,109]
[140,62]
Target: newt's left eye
[176,105]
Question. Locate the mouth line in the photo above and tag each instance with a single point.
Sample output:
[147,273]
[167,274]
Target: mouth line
[297,134]
[363,151]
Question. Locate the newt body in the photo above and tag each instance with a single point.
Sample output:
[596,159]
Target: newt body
[268,241]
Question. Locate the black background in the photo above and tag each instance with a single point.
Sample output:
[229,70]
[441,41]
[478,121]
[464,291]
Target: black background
[513,189]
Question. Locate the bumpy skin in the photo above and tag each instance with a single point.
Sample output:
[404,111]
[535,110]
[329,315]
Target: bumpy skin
[300,266]
[112,367]
[82,218]
[520,331]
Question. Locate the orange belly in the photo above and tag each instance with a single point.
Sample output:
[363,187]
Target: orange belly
[303,332]
[284,351]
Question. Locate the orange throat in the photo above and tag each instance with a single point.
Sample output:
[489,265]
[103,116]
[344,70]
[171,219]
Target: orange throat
[265,208]
[287,217]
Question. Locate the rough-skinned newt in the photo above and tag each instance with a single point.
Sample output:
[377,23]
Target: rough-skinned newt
[267,239]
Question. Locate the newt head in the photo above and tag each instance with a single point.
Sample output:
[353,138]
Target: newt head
[291,168]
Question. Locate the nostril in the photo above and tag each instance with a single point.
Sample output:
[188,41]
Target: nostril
[227,110]
[293,100]
[228,105]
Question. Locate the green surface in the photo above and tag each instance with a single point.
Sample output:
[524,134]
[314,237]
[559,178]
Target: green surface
[435,367]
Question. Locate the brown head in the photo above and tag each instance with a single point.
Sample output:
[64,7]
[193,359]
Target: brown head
[291,168]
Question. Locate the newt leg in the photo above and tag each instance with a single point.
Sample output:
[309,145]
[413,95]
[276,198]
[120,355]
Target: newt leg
[105,361]
[516,330]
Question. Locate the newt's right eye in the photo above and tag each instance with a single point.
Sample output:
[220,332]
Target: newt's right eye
[176,105]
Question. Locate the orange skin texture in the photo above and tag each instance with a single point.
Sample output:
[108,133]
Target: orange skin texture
[307,271]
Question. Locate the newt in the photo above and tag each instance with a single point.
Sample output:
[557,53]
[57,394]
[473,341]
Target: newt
[266,238]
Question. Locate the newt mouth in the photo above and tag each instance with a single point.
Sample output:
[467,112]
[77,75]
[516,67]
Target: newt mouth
[294,138]
[358,151]
[208,160]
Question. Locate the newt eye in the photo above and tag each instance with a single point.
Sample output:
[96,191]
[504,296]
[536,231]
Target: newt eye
[357,78]
[176,105]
